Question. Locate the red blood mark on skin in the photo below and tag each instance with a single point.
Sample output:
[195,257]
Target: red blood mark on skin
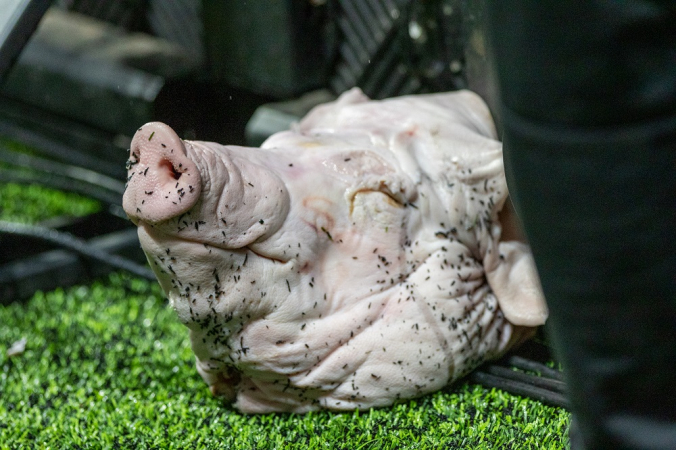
[412,132]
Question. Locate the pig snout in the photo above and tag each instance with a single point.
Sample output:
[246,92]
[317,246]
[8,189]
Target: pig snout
[162,182]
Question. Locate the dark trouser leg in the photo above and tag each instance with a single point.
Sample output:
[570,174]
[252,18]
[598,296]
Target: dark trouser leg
[588,104]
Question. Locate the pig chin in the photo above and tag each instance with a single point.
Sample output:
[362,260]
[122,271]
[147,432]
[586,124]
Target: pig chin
[211,287]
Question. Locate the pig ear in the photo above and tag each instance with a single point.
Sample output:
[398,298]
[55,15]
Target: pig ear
[516,285]
[163,182]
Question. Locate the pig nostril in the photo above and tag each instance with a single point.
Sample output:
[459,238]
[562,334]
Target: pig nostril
[169,167]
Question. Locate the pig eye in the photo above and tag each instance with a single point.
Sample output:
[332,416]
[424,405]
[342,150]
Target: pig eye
[387,197]
[374,203]
[170,169]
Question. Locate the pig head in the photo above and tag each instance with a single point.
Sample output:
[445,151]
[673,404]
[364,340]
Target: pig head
[350,262]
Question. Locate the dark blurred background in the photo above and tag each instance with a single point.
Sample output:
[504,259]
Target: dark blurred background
[204,66]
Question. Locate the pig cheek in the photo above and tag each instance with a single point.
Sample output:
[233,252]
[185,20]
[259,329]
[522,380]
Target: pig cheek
[318,214]
[252,211]
[371,251]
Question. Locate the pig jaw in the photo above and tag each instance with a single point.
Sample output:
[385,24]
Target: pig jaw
[207,285]
[218,296]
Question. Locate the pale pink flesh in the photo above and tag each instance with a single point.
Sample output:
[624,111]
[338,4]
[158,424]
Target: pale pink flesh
[352,261]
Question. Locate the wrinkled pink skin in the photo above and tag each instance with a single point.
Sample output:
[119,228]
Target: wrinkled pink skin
[348,263]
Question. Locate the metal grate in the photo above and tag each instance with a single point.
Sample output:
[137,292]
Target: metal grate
[398,47]
[179,21]
[128,14]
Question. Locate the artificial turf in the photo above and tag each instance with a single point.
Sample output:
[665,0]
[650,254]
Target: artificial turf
[108,365]
[31,204]
[34,203]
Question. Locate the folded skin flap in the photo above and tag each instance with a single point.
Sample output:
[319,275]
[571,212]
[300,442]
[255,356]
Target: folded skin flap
[516,285]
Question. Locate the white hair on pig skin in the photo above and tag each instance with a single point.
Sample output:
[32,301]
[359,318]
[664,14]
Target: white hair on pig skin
[364,257]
